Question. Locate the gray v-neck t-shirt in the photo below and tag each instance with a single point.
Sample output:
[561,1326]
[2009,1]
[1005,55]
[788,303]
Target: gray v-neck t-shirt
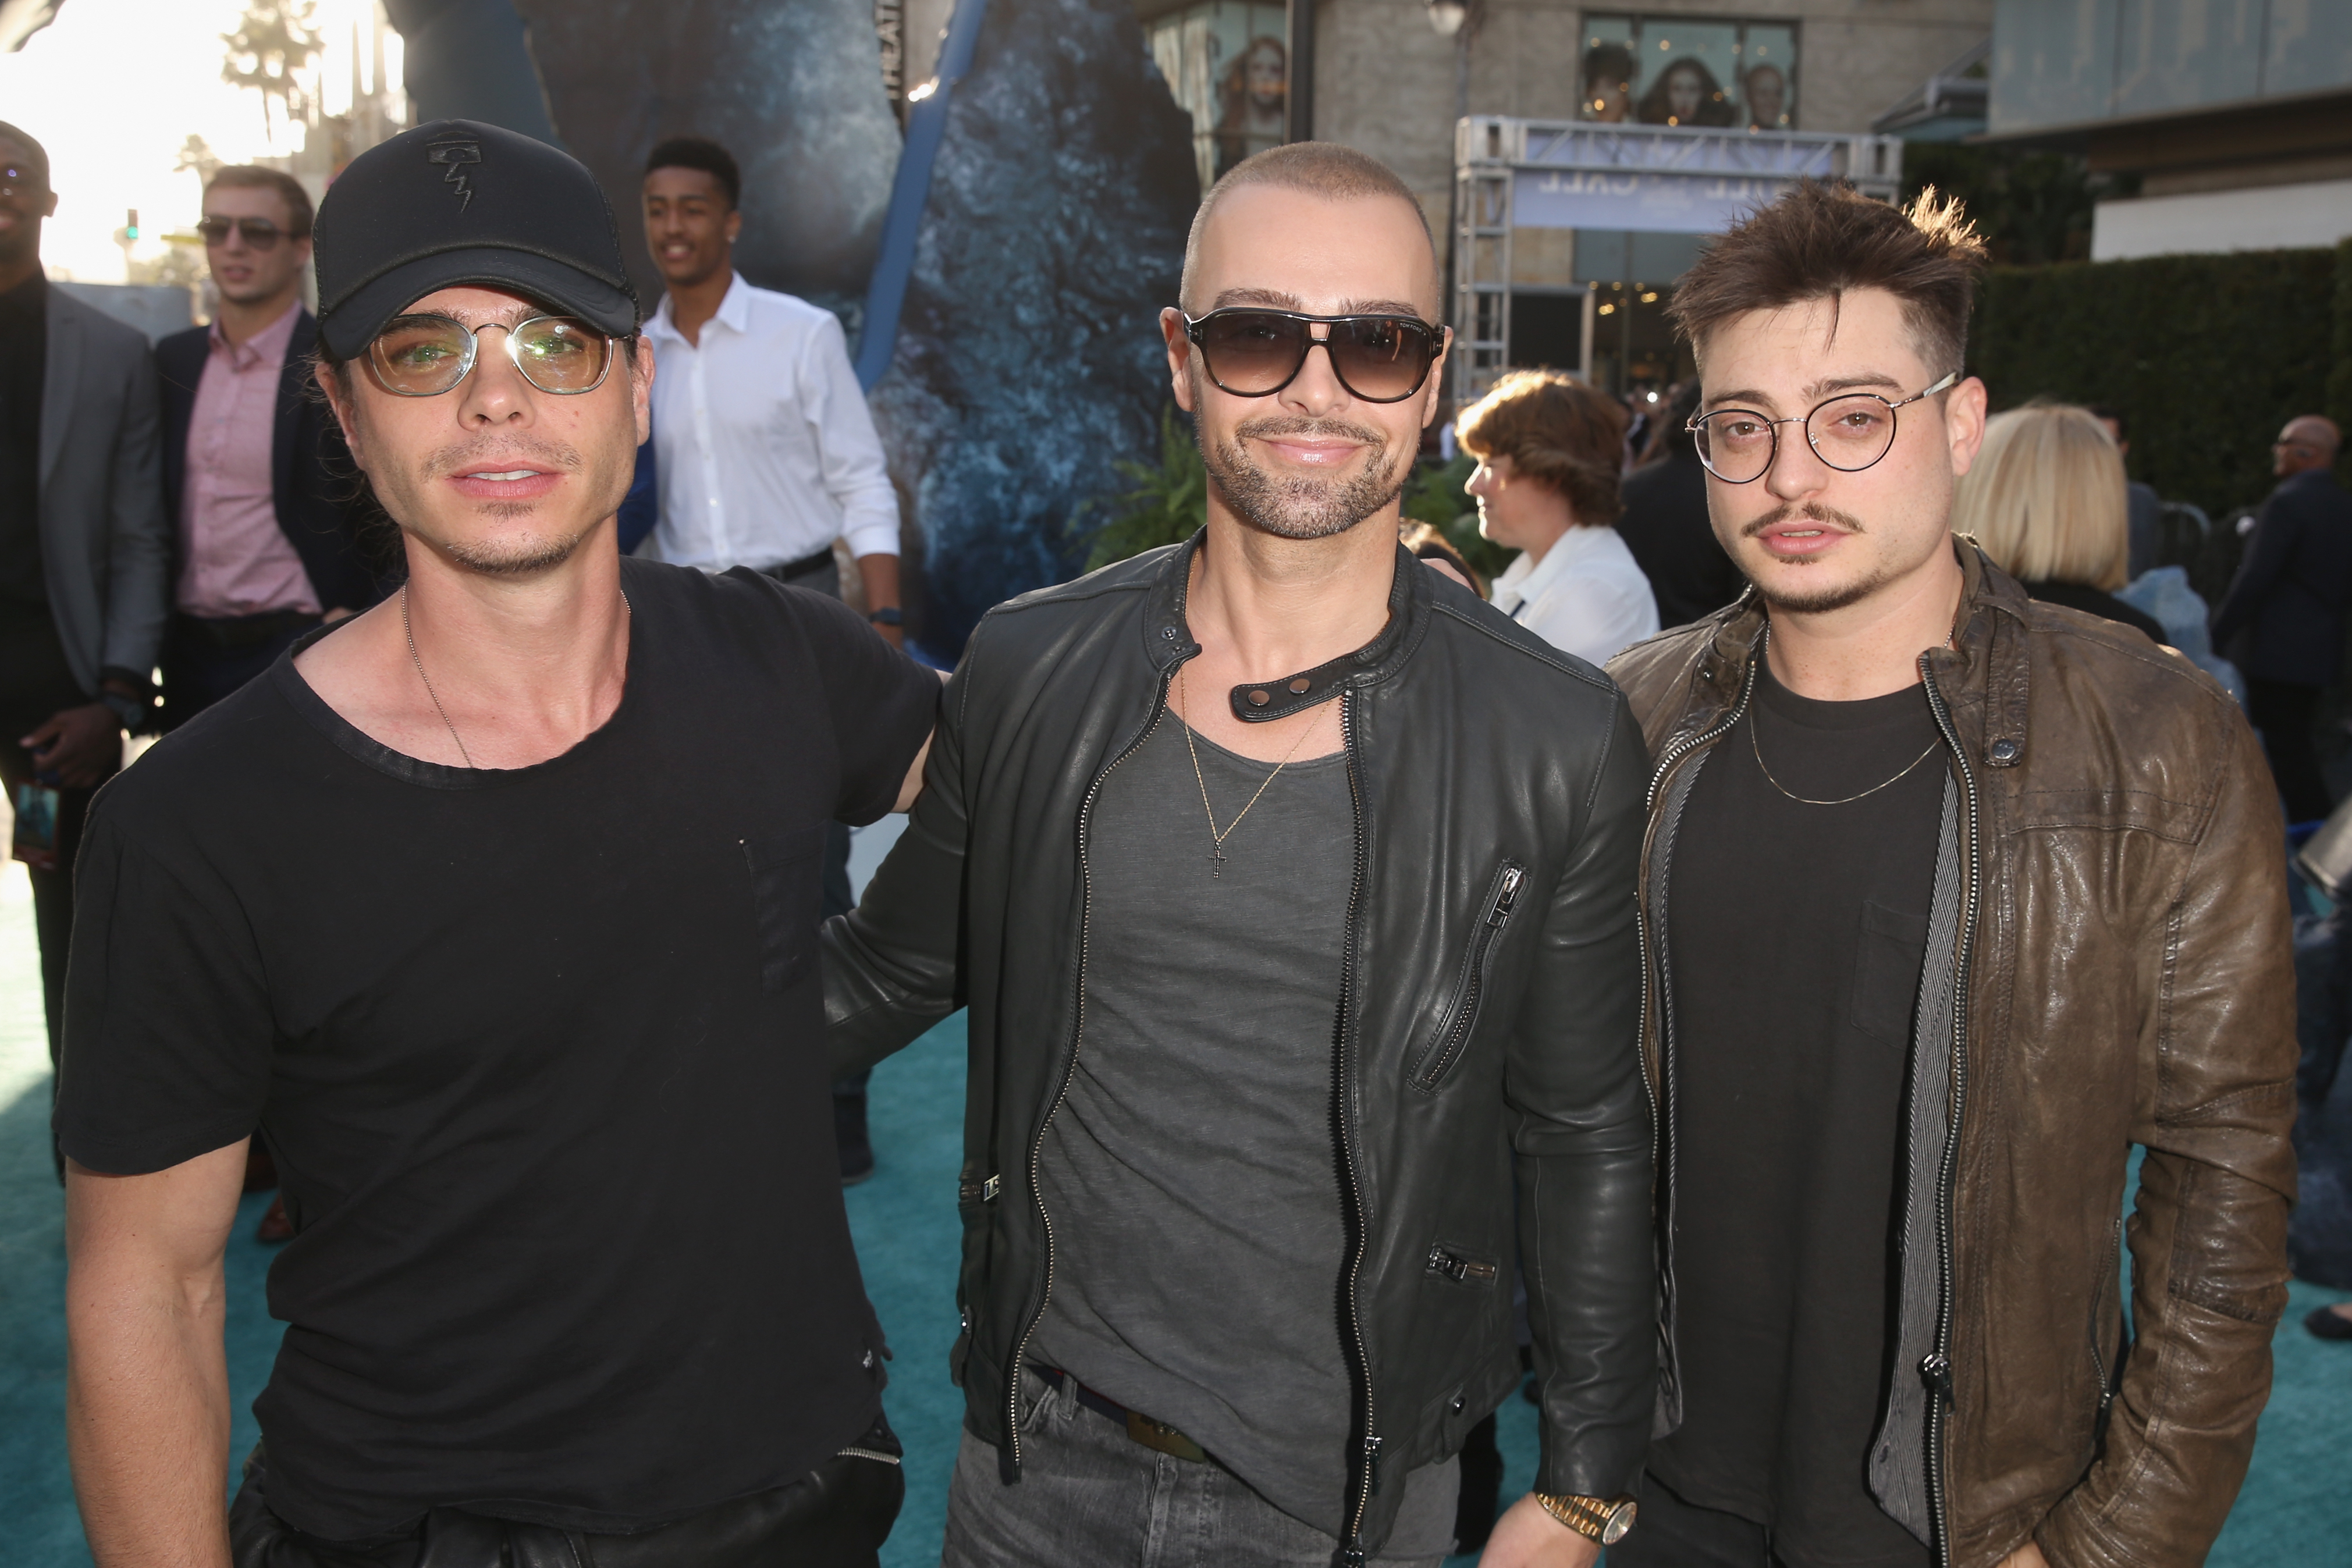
[1192,1172]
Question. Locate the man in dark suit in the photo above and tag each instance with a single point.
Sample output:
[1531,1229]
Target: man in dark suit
[84,551]
[255,478]
[2283,621]
[1665,525]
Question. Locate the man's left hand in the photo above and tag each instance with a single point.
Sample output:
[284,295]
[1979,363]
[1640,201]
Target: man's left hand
[80,745]
[2026,1556]
[1528,1537]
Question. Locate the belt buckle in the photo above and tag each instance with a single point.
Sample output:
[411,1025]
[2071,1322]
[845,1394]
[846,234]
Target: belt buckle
[1162,1438]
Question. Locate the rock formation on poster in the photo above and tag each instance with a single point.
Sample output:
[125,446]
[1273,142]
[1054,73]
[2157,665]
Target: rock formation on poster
[1029,359]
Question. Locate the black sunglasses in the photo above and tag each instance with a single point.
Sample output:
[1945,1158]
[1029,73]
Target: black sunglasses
[260,232]
[1254,352]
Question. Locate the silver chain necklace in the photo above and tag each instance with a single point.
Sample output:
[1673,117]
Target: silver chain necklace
[409,631]
[1753,745]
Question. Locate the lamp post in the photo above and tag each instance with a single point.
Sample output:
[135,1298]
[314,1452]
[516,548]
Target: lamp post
[1458,20]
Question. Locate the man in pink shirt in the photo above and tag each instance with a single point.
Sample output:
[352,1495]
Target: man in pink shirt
[255,474]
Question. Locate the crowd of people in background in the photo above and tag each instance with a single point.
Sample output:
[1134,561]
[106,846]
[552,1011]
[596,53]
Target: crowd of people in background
[1772,583]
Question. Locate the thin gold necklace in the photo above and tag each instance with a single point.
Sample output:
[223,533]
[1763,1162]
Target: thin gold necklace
[1217,839]
[1753,745]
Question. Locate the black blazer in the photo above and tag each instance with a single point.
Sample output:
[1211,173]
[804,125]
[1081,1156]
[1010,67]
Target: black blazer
[2284,618]
[310,469]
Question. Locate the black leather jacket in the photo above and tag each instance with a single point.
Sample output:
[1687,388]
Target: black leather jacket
[1489,1009]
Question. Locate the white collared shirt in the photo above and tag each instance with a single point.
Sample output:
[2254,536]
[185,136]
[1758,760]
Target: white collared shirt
[763,448]
[1586,597]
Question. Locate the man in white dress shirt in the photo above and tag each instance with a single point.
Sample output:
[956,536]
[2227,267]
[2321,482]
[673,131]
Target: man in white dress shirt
[763,451]
[1548,448]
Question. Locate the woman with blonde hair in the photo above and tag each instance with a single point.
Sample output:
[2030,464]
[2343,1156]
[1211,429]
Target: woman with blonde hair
[2046,499]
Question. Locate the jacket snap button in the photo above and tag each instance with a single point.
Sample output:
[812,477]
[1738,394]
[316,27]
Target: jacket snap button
[1169,632]
[1260,698]
[2004,751]
[1458,1403]
[1300,685]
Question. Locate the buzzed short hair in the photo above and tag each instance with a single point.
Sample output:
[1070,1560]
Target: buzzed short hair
[1820,241]
[703,153]
[252,176]
[1321,168]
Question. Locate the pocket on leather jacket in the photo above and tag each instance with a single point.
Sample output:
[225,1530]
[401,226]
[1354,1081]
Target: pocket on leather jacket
[1453,1037]
[1887,963]
[786,896]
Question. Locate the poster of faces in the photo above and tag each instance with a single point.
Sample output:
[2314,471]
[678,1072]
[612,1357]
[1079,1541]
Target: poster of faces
[1230,71]
[1685,71]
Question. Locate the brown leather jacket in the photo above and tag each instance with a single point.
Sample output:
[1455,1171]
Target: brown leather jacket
[2109,964]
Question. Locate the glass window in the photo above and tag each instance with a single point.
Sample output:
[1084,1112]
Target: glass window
[1229,69]
[1689,72]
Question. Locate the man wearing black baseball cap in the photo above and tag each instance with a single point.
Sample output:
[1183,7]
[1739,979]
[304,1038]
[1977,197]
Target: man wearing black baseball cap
[571,1279]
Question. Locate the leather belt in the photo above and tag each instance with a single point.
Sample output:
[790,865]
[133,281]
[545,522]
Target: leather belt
[1155,1435]
[801,567]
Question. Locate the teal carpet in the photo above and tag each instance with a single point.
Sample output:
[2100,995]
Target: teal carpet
[2296,1511]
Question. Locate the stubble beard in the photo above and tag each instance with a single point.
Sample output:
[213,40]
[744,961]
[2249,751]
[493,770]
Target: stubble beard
[1799,598]
[526,555]
[1302,507]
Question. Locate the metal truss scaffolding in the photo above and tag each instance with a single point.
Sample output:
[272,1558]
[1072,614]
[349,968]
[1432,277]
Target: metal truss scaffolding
[1513,175]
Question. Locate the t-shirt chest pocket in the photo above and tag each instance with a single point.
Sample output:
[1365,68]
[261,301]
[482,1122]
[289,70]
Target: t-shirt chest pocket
[786,896]
[1886,972]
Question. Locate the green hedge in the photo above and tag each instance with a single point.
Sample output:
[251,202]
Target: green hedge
[2205,356]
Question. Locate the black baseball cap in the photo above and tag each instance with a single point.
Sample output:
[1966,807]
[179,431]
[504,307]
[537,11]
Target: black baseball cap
[458,201]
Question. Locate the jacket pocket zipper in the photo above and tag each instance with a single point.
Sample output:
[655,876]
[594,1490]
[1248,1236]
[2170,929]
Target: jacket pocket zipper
[1454,1266]
[1454,1033]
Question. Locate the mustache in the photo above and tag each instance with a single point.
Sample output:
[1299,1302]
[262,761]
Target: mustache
[1274,424]
[489,451]
[1811,512]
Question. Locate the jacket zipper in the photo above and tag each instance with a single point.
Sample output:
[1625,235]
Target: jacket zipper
[1352,1552]
[1471,989]
[1070,1066]
[1461,1270]
[1660,1138]
[2099,1356]
[1938,1369]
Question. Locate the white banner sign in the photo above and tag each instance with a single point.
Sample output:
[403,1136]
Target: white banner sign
[1651,202]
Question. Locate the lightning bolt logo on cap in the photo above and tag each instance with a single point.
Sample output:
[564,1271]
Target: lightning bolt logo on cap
[455,155]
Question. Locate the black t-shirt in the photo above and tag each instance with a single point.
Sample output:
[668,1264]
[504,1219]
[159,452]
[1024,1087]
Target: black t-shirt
[539,1054]
[1795,939]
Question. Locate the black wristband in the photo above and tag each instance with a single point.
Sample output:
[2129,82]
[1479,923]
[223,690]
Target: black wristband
[887,615]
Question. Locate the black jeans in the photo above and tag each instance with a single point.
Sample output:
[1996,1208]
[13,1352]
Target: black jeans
[1671,1533]
[35,683]
[2282,712]
[836,1516]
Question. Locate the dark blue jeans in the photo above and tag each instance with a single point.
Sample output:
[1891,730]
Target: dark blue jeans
[1090,1495]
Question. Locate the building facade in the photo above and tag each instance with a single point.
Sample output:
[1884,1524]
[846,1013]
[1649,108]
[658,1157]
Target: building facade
[2236,116]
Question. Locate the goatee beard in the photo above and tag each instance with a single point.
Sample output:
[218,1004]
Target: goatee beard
[1302,507]
[1823,599]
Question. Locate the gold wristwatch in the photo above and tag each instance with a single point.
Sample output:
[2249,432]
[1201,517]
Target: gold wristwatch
[1603,1519]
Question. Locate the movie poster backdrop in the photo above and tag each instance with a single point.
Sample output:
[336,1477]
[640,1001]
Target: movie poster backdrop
[1230,71]
[1677,70]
